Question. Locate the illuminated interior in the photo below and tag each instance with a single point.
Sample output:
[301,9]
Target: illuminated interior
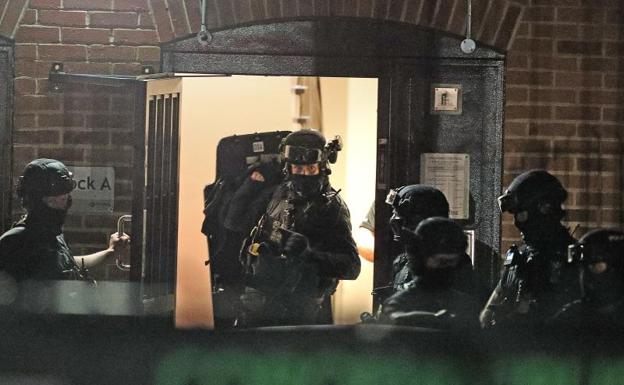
[217,107]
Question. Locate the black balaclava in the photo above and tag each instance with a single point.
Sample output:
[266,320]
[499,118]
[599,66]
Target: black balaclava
[306,186]
[602,246]
[437,235]
[42,178]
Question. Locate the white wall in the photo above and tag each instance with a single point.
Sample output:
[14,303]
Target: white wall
[213,108]
[350,110]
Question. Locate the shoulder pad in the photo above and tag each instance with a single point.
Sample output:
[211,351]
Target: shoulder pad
[514,256]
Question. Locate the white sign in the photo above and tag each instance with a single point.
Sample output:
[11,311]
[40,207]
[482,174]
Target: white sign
[95,189]
[450,173]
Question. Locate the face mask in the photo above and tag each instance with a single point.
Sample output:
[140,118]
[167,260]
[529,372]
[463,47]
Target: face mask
[602,289]
[438,279]
[43,215]
[306,186]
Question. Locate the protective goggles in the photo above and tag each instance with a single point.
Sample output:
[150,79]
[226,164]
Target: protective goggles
[508,203]
[61,184]
[302,155]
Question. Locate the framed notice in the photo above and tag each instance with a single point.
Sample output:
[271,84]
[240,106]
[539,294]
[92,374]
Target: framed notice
[450,173]
[446,99]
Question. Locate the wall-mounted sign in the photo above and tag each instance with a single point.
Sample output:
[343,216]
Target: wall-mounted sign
[95,189]
[450,173]
[446,99]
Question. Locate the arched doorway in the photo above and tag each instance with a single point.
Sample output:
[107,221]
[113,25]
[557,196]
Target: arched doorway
[422,137]
[410,62]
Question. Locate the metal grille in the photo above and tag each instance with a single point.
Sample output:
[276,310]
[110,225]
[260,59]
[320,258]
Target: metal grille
[161,195]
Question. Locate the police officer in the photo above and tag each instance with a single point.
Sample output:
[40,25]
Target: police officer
[537,278]
[432,299]
[302,245]
[412,204]
[35,248]
[601,256]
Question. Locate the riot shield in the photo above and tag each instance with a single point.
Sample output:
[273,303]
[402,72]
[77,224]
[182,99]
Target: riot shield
[233,204]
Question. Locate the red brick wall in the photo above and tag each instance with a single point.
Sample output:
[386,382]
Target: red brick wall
[88,36]
[564,84]
[563,109]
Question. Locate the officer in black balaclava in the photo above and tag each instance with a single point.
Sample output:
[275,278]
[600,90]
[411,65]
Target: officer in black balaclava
[35,248]
[302,245]
[410,206]
[601,274]
[537,278]
[432,298]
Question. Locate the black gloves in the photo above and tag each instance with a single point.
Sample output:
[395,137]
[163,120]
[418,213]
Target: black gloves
[297,246]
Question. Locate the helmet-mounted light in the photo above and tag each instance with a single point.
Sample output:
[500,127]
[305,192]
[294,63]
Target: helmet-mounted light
[508,203]
[391,197]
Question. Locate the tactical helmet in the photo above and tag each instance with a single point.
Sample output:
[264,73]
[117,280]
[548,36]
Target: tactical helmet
[601,253]
[411,204]
[600,245]
[533,189]
[440,235]
[44,177]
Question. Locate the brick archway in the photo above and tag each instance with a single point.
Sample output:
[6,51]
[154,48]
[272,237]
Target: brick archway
[494,22]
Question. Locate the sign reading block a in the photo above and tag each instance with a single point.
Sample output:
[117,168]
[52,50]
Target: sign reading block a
[95,189]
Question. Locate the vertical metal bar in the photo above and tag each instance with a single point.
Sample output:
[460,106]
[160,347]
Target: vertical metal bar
[164,203]
[157,192]
[139,198]
[175,166]
[149,193]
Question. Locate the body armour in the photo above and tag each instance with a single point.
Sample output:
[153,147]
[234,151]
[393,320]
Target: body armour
[437,308]
[464,278]
[285,291]
[35,252]
[537,281]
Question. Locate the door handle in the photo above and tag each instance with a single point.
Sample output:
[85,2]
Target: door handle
[121,224]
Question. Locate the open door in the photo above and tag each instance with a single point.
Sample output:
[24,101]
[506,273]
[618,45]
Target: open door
[143,112]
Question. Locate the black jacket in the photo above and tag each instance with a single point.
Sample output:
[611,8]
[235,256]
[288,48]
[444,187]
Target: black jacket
[31,252]
[536,282]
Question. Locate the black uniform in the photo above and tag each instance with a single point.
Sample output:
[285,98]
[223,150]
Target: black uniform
[465,278]
[600,254]
[418,305]
[436,297]
[537,281]
[289,290]
[35,251]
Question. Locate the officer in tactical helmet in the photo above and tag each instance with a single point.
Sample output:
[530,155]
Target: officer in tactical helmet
[302,245]
[35,248]
[410,206]
[431,298]
[537,278]
[601,256]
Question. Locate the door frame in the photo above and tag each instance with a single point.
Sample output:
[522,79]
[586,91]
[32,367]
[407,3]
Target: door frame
[7,73]
[369,48]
